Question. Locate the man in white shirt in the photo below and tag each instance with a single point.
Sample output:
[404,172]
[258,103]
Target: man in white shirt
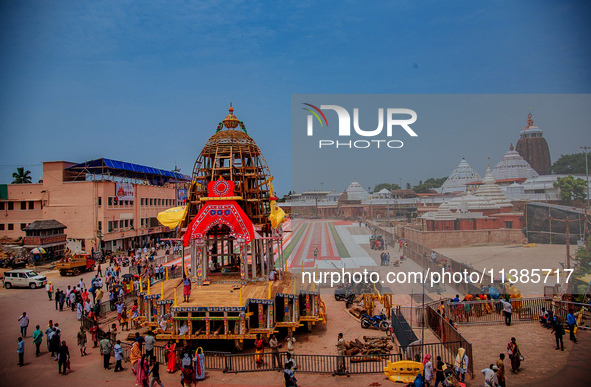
[24,323]
[490,376]
[508,310]
[149,342]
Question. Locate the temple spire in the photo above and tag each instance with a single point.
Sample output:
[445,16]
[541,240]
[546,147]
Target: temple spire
[530,121]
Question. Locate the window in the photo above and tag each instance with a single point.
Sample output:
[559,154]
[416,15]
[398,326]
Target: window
[109,201]
[100,226]
[126,223]
[1,205]
[120,224]
[10,206]
[110,226]
[1,226]
[23,225]
[10,226]
[151,202]
[100,201]
[23,205]
[130,223]
[31,205]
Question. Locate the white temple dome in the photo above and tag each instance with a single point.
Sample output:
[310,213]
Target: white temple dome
[513,166]
[461,176]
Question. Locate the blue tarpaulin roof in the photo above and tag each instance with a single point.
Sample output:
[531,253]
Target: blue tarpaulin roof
[124,169]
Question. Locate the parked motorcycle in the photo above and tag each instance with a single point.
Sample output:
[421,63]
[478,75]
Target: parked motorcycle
[377,321]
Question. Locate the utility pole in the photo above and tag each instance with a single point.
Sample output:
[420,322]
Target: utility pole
[567,245]
[586,172]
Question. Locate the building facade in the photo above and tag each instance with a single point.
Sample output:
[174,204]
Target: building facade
[112,207]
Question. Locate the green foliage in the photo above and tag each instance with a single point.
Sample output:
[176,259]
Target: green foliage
[21,176]
[583,258]
[429,184]
[388,186]
[571,164]
[571,188]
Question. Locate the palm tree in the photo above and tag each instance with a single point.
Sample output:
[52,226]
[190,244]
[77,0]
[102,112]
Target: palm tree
[21,176]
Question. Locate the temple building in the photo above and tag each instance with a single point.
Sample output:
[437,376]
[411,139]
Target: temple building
[462,175]
[532,146]
[513,167]
[487,208]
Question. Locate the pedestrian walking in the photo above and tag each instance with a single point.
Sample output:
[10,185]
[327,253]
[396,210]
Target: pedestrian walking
[118,352]
[273,343]
[20,349]
[508,311]
[48,330]
[99,270]
[37,339]
[461,363]
[81,337]
[186,288]
[501,371]
[290,343]
[558,331]
[150,341]
[341,352]
[106,351]
[439,375]
[63,356]
[572,323]
[428,368]
[514,355]
[199,364]
[54,344]
[24,323]
[49,290]
[155,372]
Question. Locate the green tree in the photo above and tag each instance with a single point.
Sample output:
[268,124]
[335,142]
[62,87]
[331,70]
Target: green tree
[388,186]
[429,184]
[571,188]
[21,176]
[583,259]
[571,164]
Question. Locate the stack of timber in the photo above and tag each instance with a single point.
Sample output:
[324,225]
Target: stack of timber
[374,345]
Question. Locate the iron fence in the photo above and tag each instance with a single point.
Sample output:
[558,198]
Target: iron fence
[414,315]
[562,308]
[328,364]
[449,335]
[490,311]
[447,351]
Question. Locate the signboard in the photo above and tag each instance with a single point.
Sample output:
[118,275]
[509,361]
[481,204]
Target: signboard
[183,194]
[124,191]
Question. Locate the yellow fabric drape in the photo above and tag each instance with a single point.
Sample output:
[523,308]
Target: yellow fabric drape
[172,217]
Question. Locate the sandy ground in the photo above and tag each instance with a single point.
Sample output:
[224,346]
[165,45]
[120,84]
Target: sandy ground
[513,257]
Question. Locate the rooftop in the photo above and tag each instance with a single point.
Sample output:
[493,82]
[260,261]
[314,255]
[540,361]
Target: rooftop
[44,225]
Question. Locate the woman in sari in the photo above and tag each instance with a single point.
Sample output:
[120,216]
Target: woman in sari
[259,349]
[135,356]
[141,376]
[170,356]
[514,355]
[199,364]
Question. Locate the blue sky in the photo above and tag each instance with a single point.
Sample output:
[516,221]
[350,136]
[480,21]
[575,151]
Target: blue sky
[147,82]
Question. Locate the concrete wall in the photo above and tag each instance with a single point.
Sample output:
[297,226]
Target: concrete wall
[458,238]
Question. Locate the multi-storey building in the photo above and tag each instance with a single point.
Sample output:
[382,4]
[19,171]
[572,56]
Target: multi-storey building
[103,203]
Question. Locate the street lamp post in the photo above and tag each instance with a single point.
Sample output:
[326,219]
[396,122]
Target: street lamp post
[586,172]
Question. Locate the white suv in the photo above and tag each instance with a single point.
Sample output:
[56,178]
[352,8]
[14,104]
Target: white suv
[23,278]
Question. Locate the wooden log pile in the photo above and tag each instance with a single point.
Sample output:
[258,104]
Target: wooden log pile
[357,311]
[372,345]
